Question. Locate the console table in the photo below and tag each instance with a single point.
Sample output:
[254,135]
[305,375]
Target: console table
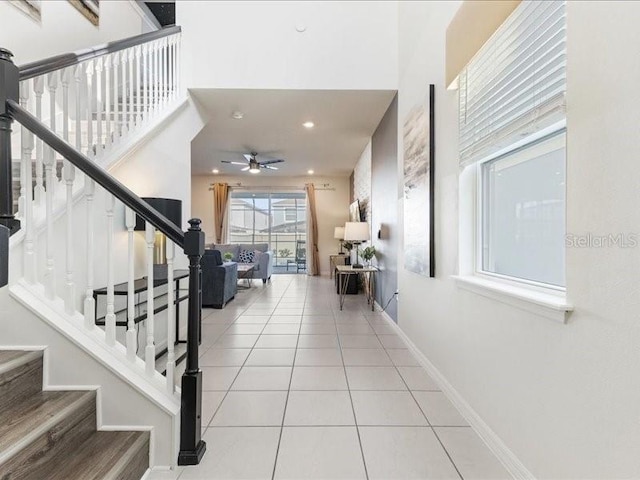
[140,285]
[333,263]
[344,271]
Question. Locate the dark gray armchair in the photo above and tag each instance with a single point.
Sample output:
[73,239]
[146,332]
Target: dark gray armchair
[219,279]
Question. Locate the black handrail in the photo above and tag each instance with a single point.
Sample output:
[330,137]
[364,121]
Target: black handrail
[108,182]
[41,67]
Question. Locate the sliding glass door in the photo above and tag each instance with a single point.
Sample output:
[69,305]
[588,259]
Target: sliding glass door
[278,219]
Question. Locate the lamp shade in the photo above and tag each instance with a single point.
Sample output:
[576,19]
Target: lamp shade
[356,231]
[170,208]
[338,233]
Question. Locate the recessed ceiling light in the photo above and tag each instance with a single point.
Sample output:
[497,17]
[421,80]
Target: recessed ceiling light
[300,28]
[310,172]
[308,124]
[215,170]
[237,115]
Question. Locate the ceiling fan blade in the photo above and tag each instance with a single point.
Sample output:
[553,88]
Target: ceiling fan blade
[268,167]
[248,156]
[244,169]
[269,162]
[239,163]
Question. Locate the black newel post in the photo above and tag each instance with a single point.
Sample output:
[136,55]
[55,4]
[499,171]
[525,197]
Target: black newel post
[9,90]
[191,445]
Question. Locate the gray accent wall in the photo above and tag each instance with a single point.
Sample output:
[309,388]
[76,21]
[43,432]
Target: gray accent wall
[384,206]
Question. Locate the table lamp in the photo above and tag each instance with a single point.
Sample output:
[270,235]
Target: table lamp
[356,233]
[338,234]
[172,209]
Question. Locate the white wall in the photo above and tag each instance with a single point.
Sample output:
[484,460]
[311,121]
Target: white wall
[564,398]
[332,206]
[63,28]
[346,45]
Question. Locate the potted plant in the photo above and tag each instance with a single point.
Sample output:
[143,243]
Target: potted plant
[348,246]
[228,256]
[368,253]
[284,253]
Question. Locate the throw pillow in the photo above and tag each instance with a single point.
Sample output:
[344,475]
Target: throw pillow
[246,256]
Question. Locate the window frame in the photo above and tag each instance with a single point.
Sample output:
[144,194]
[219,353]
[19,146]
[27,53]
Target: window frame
[556,129]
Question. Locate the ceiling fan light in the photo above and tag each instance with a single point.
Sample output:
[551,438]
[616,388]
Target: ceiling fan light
[254,169]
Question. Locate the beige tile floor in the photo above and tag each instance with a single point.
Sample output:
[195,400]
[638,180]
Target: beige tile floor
[297,389]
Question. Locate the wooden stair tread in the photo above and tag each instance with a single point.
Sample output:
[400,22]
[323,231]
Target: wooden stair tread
[103,455]
[24,415]
[8,355]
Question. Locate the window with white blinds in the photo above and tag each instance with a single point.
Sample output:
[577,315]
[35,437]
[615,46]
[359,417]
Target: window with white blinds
[515,85]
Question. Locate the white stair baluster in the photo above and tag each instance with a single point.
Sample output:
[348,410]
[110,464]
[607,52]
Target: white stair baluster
[150,349]
[123,96]
[99,107]
[145,73]
[132,341]
[69,176]
[90,103]
[110,318]
[49,168]
[53,80]
[89,302]
[171,316]
[38,89]
[163,71]
[173,67]
[78,75]
[178,60]
[108,138]
[132,105]
[27,150]
[154,82]
[138,97]
[116,99]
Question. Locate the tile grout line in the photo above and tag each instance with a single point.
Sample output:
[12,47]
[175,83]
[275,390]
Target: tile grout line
[286,402]
[419,407]
[239,370]
[355,419]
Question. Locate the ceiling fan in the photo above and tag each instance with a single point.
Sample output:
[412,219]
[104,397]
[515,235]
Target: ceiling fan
[253,165]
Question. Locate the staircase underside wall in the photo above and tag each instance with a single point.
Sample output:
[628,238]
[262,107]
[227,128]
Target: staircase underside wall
[67,365]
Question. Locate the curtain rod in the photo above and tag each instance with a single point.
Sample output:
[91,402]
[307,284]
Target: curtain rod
[324,186]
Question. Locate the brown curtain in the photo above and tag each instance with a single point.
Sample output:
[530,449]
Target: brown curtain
[220,202]
[313,258]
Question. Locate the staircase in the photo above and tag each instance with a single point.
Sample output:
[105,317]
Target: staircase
[52,434]
[72,116]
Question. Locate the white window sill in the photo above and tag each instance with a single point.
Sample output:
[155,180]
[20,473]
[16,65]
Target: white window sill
[554,307]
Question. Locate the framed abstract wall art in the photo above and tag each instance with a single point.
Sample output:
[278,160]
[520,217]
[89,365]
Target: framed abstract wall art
[418,198]
[32,8]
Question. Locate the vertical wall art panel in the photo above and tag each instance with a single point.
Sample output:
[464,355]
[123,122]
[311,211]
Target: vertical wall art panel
[31,7]
[89,8]
[419,157]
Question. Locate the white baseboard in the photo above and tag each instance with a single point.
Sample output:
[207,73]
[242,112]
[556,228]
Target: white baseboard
[513,465]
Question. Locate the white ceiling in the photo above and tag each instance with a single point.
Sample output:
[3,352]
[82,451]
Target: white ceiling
[344,121]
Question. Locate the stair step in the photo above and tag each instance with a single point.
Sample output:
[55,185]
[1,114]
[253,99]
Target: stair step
[53,434]
[26,415]
[34,454]
[20,375]
[101,456]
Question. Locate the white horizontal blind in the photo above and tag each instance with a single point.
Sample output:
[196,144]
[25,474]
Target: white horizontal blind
[515,85]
